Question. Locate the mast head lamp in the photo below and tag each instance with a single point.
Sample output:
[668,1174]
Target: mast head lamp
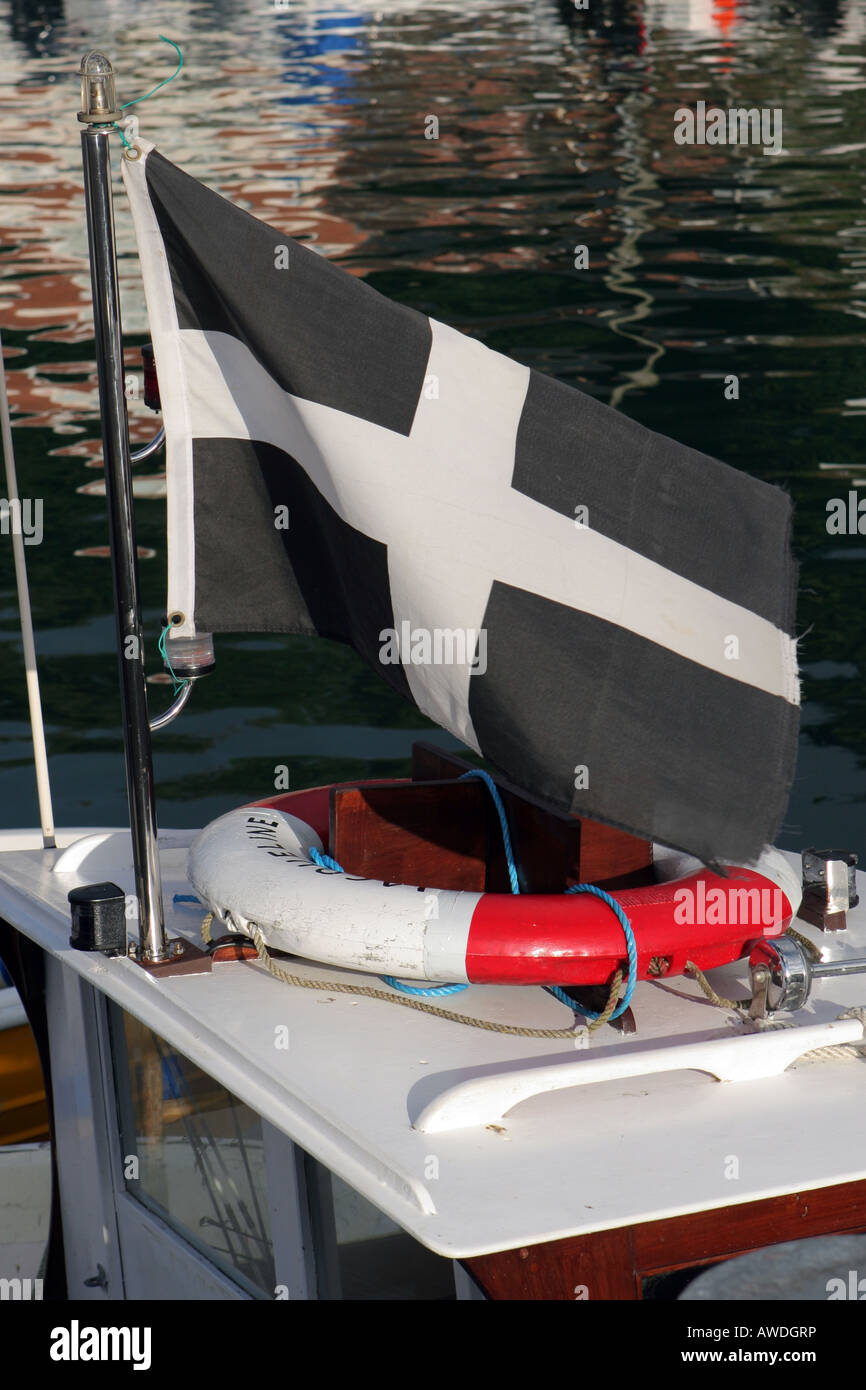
[98,99]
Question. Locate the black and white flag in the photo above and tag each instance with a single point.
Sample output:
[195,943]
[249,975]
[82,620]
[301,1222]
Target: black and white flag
[603,613]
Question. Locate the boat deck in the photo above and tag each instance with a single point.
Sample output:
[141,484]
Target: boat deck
[359,1076]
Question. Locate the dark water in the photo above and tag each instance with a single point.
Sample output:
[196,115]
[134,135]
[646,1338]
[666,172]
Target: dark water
[556,129]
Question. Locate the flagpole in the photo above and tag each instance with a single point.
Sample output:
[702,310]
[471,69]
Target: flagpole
[99,113]
[37,727]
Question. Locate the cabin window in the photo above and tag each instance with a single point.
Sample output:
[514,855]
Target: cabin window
[193,1153]
[361,1253]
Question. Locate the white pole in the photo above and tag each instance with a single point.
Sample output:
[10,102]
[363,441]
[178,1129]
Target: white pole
[13,510]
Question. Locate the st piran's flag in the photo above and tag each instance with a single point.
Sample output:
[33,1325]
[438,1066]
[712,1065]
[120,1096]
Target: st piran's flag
[604,614]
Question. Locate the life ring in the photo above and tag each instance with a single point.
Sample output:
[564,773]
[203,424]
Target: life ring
[253,865]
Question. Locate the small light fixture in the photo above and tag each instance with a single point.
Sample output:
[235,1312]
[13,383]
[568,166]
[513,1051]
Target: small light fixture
[98,100]
[191,657]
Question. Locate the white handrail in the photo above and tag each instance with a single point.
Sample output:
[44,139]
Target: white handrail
[486,1099]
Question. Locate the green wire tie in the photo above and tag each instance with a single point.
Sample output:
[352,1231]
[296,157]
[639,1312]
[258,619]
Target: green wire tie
[152,92]
[178,684]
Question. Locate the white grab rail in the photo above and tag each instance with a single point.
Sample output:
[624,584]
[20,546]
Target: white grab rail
[484,1100]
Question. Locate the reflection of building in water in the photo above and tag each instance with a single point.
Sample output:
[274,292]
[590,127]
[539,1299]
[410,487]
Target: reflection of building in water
[555,130]
[35,23]
[268,156]
[732,18]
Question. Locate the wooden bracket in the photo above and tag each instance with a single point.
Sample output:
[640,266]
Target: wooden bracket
[439,830]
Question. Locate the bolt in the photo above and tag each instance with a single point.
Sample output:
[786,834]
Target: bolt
[176,948]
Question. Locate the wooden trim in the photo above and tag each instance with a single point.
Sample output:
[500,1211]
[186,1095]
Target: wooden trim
[586,1267]
[613,1264]
[412,832]
[712,1235]
[440,830]
[553,848]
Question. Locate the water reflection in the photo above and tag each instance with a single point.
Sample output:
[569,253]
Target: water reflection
[34,24]
[555,131]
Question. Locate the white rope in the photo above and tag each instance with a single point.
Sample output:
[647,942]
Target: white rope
[841,1052]
[845,1052]
[848,1052]
[40,756]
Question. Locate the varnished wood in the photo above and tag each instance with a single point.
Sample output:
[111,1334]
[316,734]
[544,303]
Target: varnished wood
[711,1235]
[612,858]
[589,1268]
[546,844]
[442,831]
[554,849]
[614,1264]
[422,833]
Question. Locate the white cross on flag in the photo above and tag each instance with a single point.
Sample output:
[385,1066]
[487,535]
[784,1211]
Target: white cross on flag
[604,614]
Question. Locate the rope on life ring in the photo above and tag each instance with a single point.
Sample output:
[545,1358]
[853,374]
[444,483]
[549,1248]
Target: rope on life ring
[265,867]
[340,987]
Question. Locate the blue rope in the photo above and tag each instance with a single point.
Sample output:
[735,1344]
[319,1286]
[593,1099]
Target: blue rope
[432,993]
[631,948]
[326,862]
[503,821]
[559,993]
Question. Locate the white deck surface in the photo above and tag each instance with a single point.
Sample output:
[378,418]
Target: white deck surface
[358,1072]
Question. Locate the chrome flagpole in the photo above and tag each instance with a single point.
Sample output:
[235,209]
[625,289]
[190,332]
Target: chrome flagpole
[98,113]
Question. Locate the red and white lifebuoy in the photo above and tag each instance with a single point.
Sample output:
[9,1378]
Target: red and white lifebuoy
[253,865]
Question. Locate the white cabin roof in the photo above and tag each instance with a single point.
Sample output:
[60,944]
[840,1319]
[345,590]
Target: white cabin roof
[358,1072]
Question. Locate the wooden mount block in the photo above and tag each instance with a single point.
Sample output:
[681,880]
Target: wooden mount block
[442,832]
[555,848]
[412,832]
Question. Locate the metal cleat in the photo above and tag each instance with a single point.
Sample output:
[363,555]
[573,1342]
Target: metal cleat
[829,888]
[782,975]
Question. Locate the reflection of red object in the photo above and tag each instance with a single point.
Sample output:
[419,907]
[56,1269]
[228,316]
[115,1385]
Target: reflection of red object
[103,552]
[725,15]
